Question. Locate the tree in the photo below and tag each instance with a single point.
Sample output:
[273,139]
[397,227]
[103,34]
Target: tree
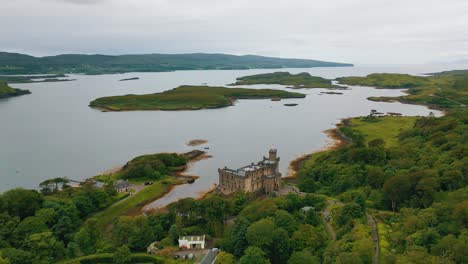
[460,213]
[349,212]
[348,258]
[86,238]
[286,221]
[239,239]
[426,190]
[307,237]
[122,255]
[225,258]
[280,248]
[84,204]
[29,226]
[21,202]
[304,256]
[4,260]
[17,256]
[378,142]
[214,210]
[397,189]
[451,180]
[452,247]
[260,233]
[53,185]
[254,255]
[7,226]
[376,177]
[45,248]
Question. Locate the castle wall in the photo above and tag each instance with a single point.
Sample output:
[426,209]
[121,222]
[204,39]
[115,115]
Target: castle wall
[252,180]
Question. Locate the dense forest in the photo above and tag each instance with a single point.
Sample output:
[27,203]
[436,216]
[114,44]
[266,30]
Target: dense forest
[14,63]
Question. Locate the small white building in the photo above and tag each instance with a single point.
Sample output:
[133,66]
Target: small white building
[192,242]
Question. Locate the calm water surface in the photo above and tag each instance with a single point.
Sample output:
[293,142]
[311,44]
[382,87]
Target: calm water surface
[53,132]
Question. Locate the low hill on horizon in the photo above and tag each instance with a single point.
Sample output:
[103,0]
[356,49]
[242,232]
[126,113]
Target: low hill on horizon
[16,63]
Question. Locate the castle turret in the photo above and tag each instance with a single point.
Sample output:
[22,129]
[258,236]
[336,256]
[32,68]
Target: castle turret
[272,156]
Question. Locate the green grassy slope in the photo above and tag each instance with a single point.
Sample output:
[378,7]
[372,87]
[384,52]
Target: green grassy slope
[188,98]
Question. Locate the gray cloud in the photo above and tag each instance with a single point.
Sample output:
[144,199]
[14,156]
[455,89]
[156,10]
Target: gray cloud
[359,31]
[85,2]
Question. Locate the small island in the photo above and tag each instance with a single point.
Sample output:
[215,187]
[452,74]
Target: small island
[331,93]
[187,98]
[7,91]
[130,79]
[295,81]
[197,142]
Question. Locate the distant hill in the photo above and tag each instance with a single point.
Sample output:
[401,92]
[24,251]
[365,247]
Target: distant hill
[15,63]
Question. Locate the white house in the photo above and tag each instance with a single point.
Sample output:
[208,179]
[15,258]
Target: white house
[197,242]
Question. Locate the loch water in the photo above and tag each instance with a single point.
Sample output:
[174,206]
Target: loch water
[53,133]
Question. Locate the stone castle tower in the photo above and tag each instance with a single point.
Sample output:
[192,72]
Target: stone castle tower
[263,176]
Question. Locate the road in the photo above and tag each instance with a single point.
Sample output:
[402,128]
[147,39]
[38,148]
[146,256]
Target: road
[209,257]
[375,238]
[325,215]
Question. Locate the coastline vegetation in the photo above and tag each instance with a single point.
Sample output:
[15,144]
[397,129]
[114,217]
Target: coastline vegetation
[7,91]
[410,174]
[442,90]
[188,98]
[300,80]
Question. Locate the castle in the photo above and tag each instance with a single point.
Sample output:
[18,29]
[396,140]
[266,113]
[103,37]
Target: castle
[263,176]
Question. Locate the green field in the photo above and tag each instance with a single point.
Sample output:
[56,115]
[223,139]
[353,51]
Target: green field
[300,80]
[7,91]
[134,202]
[188,98]
[386,127]
[442,90]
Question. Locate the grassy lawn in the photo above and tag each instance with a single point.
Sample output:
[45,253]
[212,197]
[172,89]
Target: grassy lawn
[188,98]
[136,201]
[386,128]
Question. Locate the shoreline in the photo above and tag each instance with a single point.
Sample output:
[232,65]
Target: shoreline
[183,179]
[337,140]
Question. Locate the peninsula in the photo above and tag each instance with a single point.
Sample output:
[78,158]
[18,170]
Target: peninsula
[188,98]
[15,63]
[442,90]
[35,78]
[7,91]
[300,80]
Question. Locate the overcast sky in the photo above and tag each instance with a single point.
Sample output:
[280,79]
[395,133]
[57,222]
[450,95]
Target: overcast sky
[357,31]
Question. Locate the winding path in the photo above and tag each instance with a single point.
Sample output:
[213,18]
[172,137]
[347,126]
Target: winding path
[375,232]
[325,216]
[375,238]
